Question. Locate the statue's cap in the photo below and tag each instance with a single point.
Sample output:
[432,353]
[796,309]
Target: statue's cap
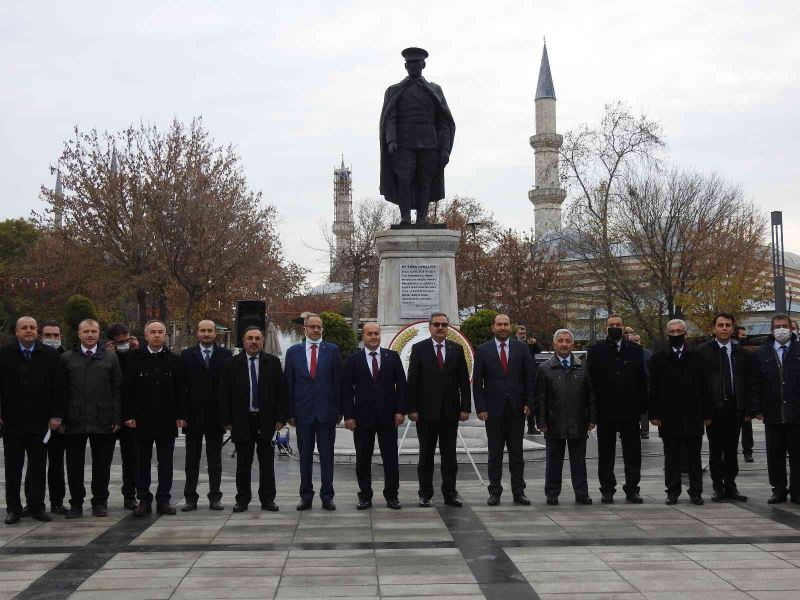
[414,54]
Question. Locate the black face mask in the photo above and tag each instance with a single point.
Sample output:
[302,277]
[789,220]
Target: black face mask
[676,341]
[615,334]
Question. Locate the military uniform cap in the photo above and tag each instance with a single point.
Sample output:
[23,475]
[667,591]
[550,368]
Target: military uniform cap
[414,54]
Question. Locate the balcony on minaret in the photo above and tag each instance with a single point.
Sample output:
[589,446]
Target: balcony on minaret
[547,195]
[550,141]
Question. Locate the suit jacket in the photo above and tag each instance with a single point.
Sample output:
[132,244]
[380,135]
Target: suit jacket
[234,396]
[677,393]
[742,374]
[371,403]
[154,393]
[318,399]
[619,381]
[201,388]
[492,388]
[31,391]
[436,393]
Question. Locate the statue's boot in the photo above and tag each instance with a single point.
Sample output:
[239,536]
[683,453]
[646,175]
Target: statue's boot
[422,211]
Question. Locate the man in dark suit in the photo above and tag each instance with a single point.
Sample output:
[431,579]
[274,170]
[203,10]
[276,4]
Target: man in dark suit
[201,366]
[438,398]
[314,377]
[502,385]
[728,381]
[616,368]
[740,339]
[253,406]
[374,405]
[31,405]
[154,406]
[679,407]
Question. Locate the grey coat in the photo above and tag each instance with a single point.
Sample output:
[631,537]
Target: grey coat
[564,399]
[94,391]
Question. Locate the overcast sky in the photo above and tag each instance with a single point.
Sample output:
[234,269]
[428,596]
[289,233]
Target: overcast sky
[294,85]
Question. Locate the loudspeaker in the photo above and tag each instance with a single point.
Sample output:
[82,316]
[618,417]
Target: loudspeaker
[249,312]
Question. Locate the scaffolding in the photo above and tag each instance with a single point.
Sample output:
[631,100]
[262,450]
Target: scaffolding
[342,219]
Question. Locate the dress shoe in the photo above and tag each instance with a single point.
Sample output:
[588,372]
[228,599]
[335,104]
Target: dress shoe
[304,505]
[142,509]
[270,506]
[189,507]
[425,502]
[583,500]
[216,505]
[165,509]
[12,518]
[552,501]
[26,512]
[328,505]
[237,508]
[522,500]
[748,457]
[777,499]
[534,431]
[99,510]
[672,499]
[394,504]
[75,512]
[454,501]
[607,499]
[42,516]
[634,498]
[130,503]
[733,494]
[59,509]
[493,500]
[364,504]
[697,500]
[718,496]
[645,435]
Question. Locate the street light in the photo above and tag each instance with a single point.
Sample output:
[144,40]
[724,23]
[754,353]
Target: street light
[474,226]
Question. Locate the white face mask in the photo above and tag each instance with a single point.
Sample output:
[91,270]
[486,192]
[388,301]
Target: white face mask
[52,343]
[123,347]
[782,334]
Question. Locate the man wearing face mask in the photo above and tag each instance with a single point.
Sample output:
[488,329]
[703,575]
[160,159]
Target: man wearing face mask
[775,399]
[679,407]
[616,369]
[121,342]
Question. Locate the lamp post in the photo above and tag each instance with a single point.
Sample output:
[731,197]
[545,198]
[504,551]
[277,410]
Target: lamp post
[474,226]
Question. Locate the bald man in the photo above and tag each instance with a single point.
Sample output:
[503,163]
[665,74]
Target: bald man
[31,404]
[201,367]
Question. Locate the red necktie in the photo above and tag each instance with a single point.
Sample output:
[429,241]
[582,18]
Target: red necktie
[313,369]
[439,357]
[375,370]
[503,358]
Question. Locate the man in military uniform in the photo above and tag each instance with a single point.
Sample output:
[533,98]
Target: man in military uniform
[416,137]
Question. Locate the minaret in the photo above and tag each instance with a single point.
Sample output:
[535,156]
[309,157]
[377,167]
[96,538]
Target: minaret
[547,194]
[114,164]
[58,203]
[343,218]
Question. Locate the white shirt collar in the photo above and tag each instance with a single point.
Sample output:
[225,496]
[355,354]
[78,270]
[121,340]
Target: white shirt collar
[93,349]
[726,346]
[204,349]
[151,351]
[777,346]
[310,343]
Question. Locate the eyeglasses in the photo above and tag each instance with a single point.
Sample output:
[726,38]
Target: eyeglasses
[437,325]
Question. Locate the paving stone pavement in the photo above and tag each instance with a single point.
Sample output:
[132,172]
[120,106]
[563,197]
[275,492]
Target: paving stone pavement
[565,552]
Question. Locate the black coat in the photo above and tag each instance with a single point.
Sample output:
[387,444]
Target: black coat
[434,393]
[234,396]
[491,387]
[775,390]
[619,381]
[154,393]
[371,403]
[94,391]
[742,375]
[565,403]
[201,388]
[677,393]
[31,392]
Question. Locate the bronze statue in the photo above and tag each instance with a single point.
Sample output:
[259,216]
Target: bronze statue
[416,138]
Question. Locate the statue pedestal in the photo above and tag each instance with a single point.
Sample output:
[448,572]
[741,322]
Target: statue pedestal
[417,277]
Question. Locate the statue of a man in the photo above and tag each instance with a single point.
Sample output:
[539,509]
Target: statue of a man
[416,138]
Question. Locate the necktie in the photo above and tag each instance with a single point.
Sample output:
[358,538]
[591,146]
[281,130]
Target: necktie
[313,369]
[375,370]
[207,356]
[254,383]
[678,354]
[27,354]
[783,353]
[89,353]
[503,358]
[565,362]
[725,365]
[439,357]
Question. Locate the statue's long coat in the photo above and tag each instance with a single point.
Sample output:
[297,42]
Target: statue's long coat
[387,186]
